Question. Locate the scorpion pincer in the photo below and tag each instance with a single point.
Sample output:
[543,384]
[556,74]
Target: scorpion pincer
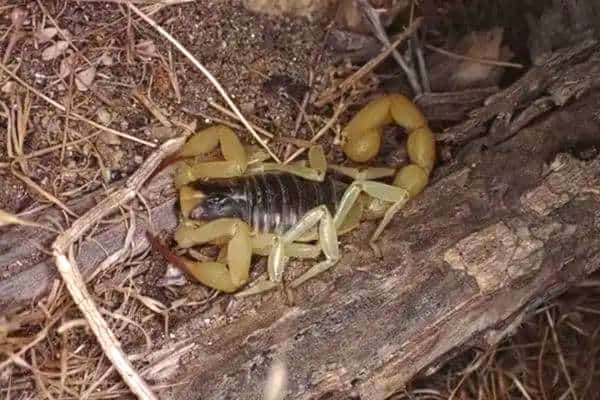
[249,206]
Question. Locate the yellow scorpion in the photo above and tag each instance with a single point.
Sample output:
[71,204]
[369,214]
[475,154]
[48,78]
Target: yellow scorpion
[249,206]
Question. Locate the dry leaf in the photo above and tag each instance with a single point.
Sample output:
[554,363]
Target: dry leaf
[45,35]
[485,45]
[54,51]
[84,79]
[146,48]
[66,67]
[106,60]
[448,73]
[9,87]
[110,138]
[104,116]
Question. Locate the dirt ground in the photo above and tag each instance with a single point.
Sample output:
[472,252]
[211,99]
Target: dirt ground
[263,64]
[267,64]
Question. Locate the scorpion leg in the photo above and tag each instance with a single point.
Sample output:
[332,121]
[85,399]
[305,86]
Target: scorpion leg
[396,195]
[315,171]
[262,244]
[234,153]
[364,174]
[278,257]
[327,240]
[227,277]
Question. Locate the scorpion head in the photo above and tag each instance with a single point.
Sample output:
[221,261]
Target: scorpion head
[206,201]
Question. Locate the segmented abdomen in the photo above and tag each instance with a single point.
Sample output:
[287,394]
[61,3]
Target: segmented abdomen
[273,202]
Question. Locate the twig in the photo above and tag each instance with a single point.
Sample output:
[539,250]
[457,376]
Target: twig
[485,61]
[75,283]
[41,335]
[340,109]
[73,114]
[150,106]
[208,75]
[28,181]
[50,149]
[119,254]
[422,65]
[379,31]
[225,111]
[340,89]
[540,364]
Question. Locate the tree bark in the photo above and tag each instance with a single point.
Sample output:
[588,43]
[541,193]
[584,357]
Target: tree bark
[462,265]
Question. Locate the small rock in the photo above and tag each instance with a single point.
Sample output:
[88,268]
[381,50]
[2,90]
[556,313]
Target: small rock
[103,115]
[247,107]
[17,17]
[8,87]
[106,60]
[110,139]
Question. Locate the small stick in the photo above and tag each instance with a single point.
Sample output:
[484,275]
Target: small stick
[153,108]
[208,75]
[485,61]
[422,65]
[340,109]
[379,31]
[338,91]
[225,111]
[561,357]
[28,181]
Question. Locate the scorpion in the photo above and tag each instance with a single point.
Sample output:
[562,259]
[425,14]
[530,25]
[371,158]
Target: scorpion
[249,206]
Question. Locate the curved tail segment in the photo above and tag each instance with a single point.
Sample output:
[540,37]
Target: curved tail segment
[363,138]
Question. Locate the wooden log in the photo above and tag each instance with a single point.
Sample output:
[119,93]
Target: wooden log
[26,270]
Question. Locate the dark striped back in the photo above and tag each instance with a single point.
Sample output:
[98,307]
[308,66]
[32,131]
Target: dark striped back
[275,201]
[270,202]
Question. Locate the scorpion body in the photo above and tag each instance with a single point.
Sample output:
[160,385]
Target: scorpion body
[250,207]
[267,202]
